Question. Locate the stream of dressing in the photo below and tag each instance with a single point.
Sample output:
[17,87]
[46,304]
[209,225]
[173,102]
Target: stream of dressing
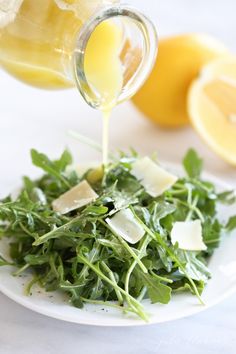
[104,72]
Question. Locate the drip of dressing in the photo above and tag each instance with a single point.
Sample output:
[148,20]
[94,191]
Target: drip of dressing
[104,72]
[105,135]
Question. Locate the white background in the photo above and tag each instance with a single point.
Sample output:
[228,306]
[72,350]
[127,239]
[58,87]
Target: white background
[34,118]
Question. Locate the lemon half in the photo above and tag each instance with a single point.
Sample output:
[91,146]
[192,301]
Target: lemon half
[212,107]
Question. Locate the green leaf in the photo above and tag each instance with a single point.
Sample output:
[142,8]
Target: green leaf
[228,197]
[162,209]
[96,210]
[38,196]
[52,168]
[36,259]
[3,262]
[42,161]
[195,269]
[192,164]
[64,161]
[123,200]
[183,286]
[231,224]
[118,250]
[211,230]
[157,291]
[159,211]
[28,184]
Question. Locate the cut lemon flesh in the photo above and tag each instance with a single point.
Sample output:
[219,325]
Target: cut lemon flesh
[212,107]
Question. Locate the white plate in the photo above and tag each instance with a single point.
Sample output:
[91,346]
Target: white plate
[222,284]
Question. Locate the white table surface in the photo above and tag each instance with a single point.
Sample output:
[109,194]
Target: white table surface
[40,119]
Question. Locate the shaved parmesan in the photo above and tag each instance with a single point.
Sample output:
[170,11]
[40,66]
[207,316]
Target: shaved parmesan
[152,177]
[188,234]
[75,198]
[124,224]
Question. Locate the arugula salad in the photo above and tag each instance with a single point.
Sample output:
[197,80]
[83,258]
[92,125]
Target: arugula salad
[115,235]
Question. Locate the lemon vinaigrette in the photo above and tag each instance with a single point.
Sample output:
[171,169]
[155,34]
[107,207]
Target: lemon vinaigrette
[103,48]
[32,42]
[105,73]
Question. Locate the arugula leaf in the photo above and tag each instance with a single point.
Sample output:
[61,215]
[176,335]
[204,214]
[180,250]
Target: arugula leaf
[157,291]
[64,161]
[231,224]
[3,262]
[183,286]
[36,259]
[52,168]
[227,197]
[96,210]
[211,230]
[195,269]
[29,185]
[159,211]
[192,164]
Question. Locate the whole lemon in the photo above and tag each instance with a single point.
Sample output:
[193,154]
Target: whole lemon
[163,97]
